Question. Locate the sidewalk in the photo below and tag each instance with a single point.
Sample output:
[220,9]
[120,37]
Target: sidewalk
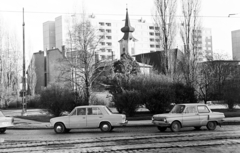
[29,124]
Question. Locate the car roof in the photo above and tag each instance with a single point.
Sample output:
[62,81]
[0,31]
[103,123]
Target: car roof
[86,106]
[190,104]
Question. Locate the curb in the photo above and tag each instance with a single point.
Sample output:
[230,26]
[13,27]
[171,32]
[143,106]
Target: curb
[127,126]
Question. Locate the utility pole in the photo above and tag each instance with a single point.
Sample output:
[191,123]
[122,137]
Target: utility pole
[24,104]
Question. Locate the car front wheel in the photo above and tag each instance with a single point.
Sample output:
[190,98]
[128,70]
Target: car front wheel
[105,127]
[175,126]
[162,129]
[2,130]
[211,125]
[59,128]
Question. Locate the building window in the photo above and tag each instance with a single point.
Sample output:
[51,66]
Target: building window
[151,33]
[156,28]
[108,30]
[101,23]
[108,24]
[109,44]
[103,50]
[151,46]
[157,40]
[123,50]
[101,30]
[109,57]
[157,34]
[157,46]
[151,39]
[102,43]
[109,50]
[103,57]
[151,27]
[109,37]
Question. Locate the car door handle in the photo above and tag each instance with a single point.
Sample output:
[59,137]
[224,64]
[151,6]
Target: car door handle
[100,117]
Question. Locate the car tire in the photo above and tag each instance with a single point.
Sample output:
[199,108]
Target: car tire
[197,127]
[2,130]
[67,130]
[105,127]
[59,128]
[162,129]
[211,125]
[175,126]
[111,129]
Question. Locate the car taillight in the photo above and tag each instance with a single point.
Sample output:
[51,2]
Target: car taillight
[124,117]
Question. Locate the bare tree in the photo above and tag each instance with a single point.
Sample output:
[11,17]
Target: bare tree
[81,65]
[165,21]
[9,68]
[189,32]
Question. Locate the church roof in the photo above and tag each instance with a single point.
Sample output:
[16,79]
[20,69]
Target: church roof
[127,29]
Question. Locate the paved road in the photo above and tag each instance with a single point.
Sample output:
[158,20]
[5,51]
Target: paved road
[145,139]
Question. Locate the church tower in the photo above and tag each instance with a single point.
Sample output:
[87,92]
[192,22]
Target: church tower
[127,43]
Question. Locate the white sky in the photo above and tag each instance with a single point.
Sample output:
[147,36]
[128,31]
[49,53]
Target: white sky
[215,14]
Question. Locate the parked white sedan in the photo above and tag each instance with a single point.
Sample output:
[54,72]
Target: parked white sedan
[95,116]
[188,115]
[5,122]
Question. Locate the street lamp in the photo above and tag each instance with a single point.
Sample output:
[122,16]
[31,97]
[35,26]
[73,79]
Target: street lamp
[24,108]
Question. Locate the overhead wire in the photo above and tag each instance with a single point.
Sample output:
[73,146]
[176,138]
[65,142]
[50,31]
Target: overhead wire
[42,12]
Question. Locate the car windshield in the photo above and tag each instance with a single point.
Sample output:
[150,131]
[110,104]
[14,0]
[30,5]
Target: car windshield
[109,110]
[1,114]
[178,109]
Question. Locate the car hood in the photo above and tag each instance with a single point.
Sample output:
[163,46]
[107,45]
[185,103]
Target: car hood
[61,118]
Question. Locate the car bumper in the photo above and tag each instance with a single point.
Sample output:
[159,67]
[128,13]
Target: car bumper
[124,123]
[161,123]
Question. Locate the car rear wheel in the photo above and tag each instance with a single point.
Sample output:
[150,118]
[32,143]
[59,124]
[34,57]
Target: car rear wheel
[211,125]
[162,129]
[105,127]
[175,126]
[197,127]
[2,130]
[59,128]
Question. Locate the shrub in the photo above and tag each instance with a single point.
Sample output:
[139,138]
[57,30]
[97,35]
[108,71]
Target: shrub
[34,102]
[57,100]
[159,99]
[184,93]
[127,102]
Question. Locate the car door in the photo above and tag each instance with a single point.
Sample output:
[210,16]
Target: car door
[191,116]
[94,117]
[78,118]
[203,114]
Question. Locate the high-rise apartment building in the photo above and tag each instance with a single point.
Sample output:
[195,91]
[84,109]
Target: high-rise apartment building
[236,45]
[203,41]
[49,41]
[145,33]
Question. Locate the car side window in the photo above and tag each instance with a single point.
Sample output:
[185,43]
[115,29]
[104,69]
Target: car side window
[191,109]
[81,111]
[203,109]
[94,111]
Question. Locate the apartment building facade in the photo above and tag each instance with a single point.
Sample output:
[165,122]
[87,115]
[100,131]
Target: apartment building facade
[203,41]
[236,44]
[145,33]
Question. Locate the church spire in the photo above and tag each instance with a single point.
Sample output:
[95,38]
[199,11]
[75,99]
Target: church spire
[127,29]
